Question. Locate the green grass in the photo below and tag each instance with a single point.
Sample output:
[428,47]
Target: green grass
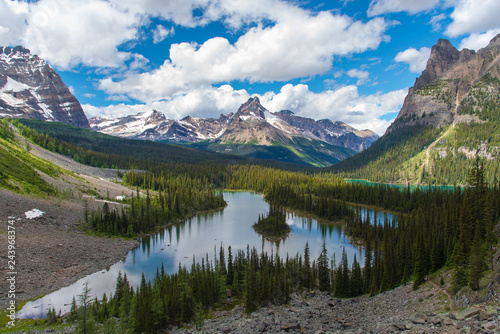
[18,171]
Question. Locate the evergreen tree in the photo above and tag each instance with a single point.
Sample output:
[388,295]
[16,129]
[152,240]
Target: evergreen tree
[323,270]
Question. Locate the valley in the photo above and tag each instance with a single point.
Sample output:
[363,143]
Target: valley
[161,195]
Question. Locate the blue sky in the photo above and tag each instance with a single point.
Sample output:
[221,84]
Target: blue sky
[347,60]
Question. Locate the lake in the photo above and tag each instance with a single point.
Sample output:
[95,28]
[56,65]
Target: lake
[198,236]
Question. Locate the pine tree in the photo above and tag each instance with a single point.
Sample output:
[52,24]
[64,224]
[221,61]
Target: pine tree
[323,270]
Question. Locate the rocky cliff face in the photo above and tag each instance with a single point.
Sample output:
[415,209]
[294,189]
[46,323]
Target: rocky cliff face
[30,88]
[334,133]
[437,96]
[252,123]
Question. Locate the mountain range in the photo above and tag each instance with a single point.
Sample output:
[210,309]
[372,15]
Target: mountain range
[31,88]
[252,131]
[450,115]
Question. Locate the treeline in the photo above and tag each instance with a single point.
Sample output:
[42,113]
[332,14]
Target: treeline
[179,198]
[100,150]
[188,295]
[423,239]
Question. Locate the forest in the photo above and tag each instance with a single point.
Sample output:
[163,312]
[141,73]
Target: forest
[435,228]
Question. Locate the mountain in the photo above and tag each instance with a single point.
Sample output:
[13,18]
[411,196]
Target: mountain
[30,88]
[450,115]
[251,131]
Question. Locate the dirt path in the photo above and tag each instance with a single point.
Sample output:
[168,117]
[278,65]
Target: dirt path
[450,298]
[428,150]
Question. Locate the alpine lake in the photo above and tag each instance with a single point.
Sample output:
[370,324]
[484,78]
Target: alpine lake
[178,245]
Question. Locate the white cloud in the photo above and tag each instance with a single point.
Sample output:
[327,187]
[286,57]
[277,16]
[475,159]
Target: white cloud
[68,33]
[417,59]
[378,7]
[478,41]
[201,102]
[12,25]
[178,11]
[362,76]
[160,33]
[343,104]
[436,21]
[262,54]
[471,16]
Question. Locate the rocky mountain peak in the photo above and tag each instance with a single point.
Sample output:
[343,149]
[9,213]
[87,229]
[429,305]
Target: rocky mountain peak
[252,108]
[8,51]
[443,56]
[436,97]
[30,88]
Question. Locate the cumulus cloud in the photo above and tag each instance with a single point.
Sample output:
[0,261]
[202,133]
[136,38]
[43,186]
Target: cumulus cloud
[378,7]
[471,16]
[68,33]
[343,104]
[262,54]
[478,41]
[201,102]
[12,21]
[362,76]
[417,59]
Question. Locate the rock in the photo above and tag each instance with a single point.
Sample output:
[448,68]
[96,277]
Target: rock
[418,321]
[40,90]
[466,314]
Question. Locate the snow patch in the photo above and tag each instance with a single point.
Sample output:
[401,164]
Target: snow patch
[35,213]
[14,86]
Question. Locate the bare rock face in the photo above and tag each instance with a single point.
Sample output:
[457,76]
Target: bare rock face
[30,88]
[437,95]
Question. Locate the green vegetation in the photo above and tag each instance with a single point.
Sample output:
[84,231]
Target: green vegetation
[434,229]
[300,151]
[19,169]
[383,161]
[182,197]
[273,226]
[439,89]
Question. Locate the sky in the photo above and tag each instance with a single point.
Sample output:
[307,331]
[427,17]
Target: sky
[347,60]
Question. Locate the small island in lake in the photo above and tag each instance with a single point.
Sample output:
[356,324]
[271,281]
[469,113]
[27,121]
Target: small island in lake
[274,226]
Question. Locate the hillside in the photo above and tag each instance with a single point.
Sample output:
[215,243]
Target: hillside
[451,114]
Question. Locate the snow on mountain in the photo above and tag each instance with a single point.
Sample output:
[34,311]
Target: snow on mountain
[251,123]
[30,88]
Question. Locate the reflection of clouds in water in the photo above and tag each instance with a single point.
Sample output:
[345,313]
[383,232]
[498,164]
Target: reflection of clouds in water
[198,236]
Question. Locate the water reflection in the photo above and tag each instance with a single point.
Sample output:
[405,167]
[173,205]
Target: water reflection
[178,244]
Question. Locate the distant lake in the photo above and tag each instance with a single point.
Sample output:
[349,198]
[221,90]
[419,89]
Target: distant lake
[198,236]
[402,186]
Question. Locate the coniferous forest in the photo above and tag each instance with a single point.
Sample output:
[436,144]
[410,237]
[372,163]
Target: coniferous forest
[435,228]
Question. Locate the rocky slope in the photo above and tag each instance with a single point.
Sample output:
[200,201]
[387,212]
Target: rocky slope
[251,123]
[437,95]
[30,88]
[395,311]
[449,116]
